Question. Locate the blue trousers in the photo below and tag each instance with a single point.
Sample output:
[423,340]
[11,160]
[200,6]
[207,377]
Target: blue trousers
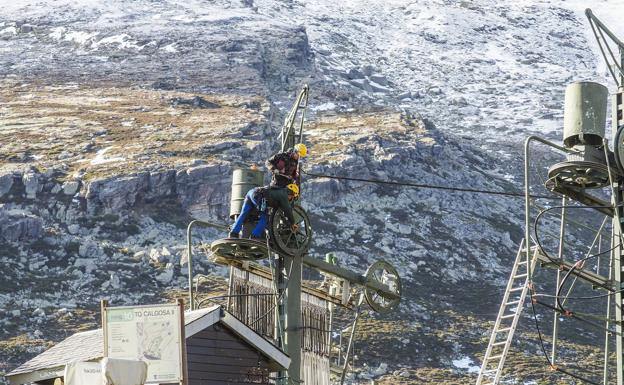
[248,205]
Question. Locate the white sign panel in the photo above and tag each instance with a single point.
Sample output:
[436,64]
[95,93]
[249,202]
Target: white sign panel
[83,373]
[147,333]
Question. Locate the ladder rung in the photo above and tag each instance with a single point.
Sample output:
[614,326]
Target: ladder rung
[524,262]
[521,276]
[508,316]
[490,371]
[503,330]
[496,357]
[517,288]
[512,303]
[499,343]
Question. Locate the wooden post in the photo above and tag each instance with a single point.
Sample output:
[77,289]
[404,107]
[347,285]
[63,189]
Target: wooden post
[183,344]
[103,306]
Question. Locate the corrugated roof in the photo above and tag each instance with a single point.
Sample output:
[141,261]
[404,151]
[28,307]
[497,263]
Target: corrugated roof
[84,346]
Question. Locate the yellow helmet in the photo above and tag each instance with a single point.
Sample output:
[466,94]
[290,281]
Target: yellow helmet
[294,189]
[301,149]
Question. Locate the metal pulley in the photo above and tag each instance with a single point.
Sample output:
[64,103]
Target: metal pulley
[618,148]
[284,239]
[385,274]
[234,249]
[578,174]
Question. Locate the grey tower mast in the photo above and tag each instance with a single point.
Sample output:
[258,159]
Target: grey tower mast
[380,285]
[589,164]
[615,64]
[291,316]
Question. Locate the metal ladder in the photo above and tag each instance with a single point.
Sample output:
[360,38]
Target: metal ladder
[507,320]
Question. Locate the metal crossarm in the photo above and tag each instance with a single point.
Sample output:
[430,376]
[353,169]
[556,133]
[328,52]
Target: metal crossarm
[507,320]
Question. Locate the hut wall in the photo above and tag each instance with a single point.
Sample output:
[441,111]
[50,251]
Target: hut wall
[216,356]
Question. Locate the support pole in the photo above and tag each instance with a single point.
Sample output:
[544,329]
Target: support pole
[617,283]
[617,253]
[618,250]
[183,356]
[189,261]
[280,276]
[103,306]
[553,354]
[527,192]
[605,374]
[350,347]
[293,320]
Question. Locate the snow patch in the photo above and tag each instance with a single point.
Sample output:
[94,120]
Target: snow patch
[329,106]
[101,159]
[9,31]
[171,48]
[57,33]
[80,37]
[123,41]
[467,364]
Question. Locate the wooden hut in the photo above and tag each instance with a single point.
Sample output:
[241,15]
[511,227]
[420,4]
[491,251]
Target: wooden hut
[220,350]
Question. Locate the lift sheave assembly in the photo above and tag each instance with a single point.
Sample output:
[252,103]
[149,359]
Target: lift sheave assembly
[592,177]
[286,250]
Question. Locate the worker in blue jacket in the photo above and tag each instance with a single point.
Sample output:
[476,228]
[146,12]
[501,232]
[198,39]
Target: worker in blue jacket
[261,198]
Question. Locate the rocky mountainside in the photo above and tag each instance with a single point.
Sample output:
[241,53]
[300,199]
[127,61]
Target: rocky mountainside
[122,121]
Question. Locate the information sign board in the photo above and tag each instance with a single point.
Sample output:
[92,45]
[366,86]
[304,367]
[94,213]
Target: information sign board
[152,334]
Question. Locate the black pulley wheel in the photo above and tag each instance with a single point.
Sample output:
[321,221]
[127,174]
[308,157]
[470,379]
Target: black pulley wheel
[618,149]
[295,243]
[578,174]
[383,273]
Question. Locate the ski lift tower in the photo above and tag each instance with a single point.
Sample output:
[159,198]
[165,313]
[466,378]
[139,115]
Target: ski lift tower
[589,165]
[289,249]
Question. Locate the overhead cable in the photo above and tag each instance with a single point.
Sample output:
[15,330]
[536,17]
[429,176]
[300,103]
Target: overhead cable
[429,186]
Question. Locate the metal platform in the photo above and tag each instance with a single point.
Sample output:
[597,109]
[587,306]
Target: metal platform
[228,250]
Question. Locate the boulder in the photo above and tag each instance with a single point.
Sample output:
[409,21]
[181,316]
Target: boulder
[379,79]
[73,229]
[368,70]
[355,74]
[161,184]
[157,257]
[362,84]
[116,193]
[17,225]
[89,249]
[207,184]
[88,263]
[32,185]
[6,182]
[165,277]
[26,28]
[71,187]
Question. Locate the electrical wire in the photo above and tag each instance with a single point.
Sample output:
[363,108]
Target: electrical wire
[542,212]
[580,264]
[543,346]
[561,309]
[429,186]
[554,261]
